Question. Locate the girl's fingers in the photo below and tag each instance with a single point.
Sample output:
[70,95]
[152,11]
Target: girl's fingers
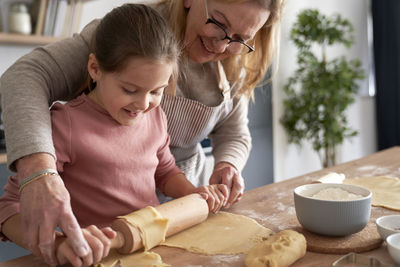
[210,198]
[88,259]
[65,252]
[104,239]
[98,242]
[220,197]
[217,202]
[109,232]
[225,192]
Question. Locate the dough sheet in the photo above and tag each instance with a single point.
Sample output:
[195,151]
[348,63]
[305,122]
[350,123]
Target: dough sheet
[385,190]
[221,233]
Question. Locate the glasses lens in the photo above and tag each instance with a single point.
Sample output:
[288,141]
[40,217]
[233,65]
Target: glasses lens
[237,48]
[215,31]
[233,47]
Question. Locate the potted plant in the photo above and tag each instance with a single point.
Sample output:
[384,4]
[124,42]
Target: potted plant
[321,89]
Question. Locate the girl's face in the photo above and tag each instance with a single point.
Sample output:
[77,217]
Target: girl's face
[130,93]
[241,21]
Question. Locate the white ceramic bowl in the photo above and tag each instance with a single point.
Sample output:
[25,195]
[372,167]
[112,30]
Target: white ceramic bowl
[388,225]
[332,217]
[393,244]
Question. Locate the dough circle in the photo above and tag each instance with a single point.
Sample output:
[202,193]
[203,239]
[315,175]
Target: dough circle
[221,233]
[385,190]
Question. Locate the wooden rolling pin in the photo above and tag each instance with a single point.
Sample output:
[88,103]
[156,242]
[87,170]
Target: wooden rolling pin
[181,213]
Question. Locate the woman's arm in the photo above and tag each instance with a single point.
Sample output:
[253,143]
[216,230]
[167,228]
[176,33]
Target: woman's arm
[28,88]
[231,143]
[32,84]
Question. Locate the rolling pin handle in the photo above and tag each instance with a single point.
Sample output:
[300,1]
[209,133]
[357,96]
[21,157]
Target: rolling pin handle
[119,241]
[132,240]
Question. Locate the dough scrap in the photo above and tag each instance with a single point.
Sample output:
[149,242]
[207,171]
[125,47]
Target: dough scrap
[151,224]
[280,250]
[385,190]
[221,233]
[139,259]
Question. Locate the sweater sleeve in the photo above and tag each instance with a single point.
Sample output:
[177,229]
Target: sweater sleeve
[61,131]
[32,84]
[230,139]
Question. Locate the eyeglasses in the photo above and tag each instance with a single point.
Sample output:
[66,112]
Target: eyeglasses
[234,46]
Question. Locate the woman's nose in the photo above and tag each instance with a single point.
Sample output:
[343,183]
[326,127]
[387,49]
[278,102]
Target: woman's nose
[219,46]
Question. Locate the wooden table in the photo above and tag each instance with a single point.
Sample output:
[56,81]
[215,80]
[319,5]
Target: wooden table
[272,206]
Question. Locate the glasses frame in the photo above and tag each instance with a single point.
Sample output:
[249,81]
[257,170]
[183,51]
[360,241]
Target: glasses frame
[227,37]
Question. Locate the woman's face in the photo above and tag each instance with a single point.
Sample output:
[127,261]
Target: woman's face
[241,21]
[128,94]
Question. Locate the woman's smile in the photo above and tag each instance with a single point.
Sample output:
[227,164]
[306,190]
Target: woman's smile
[209,50]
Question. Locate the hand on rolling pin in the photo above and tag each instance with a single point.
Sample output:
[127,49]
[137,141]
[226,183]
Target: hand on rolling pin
[99,241]
[216,196]
[227,174]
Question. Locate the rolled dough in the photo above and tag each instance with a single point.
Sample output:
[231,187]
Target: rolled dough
[280,250]
[221,233]
[385,190]
[151,224]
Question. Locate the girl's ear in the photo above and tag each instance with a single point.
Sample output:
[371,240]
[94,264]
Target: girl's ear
[187,3]
[93,67]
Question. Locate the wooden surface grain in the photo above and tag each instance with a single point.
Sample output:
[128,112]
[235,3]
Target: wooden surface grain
[273,206]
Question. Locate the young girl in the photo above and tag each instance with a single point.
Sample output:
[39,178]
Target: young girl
[112,144]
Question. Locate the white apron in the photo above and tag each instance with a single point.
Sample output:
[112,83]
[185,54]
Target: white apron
[189,122]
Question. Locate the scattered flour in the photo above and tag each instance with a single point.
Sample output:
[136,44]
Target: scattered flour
[224,260]
[335,194]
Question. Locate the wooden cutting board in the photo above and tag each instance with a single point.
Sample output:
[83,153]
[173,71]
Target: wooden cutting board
[365,240]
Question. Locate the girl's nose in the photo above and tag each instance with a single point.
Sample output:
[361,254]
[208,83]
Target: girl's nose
[142,103]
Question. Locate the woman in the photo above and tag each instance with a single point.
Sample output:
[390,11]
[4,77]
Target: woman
[228,48]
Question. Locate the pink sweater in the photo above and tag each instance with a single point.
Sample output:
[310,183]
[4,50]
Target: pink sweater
[109,169]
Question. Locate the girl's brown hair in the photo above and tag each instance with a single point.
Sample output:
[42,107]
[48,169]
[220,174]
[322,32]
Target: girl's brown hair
[257,63]
[133,30]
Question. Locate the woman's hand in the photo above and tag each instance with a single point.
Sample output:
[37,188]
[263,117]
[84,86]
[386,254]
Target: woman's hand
[99,241]
[216,196]
[225,173]
[44,205]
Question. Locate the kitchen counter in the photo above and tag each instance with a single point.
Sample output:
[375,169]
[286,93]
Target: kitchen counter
[272,206]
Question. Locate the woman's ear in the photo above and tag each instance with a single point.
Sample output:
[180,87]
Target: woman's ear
[93,67]
[187,3]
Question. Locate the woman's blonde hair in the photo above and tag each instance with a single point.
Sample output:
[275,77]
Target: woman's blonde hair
[257,63]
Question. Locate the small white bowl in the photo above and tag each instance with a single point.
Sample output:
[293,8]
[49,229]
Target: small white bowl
[393,243]
[388,225]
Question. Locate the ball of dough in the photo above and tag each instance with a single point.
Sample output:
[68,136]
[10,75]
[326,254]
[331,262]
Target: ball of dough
[279,250]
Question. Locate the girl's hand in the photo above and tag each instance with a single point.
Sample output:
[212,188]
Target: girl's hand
[216,196]
[99,241]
